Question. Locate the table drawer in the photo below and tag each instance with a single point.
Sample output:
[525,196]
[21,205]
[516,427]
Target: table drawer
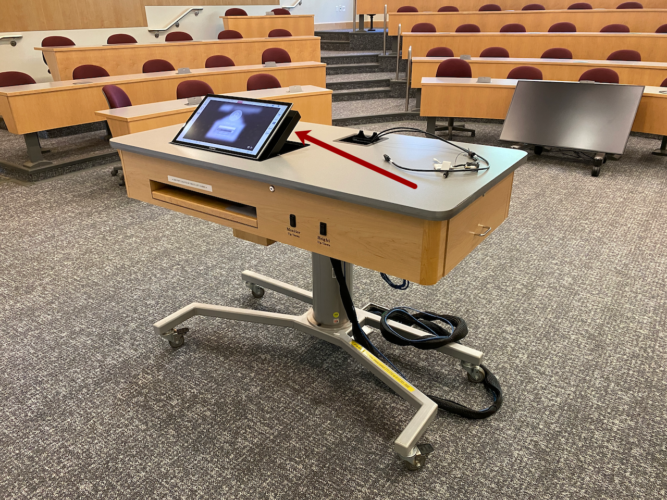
[470,227]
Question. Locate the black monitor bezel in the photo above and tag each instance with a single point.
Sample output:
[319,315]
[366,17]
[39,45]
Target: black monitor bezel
[220,150]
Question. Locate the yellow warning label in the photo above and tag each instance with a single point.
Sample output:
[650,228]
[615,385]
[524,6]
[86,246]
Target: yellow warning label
[384,367]
[336,315]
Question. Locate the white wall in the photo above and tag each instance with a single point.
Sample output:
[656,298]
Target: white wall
[206,26]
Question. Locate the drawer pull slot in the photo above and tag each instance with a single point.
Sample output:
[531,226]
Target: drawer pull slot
[488,228]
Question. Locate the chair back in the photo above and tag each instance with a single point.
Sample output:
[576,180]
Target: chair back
[533,6]
[600,75]
[564,27]
[157,65]
[494,52]
[662,29]
[57,41]
[281,12]
[448,8]
[513,28]
[580,6]
[630,5]
[407,8]
[276,55]
[490,7]
[615,28]
[193,88]
[625,55]
[88,71]
[440,52]
[424,28]
[235,12]
[557,53]
[120,38]
[262,81]
[116,97]
[218,62]
[525,73]
[454,68]
[229,34]
[279,32]
[468,28]
[13,78]
[178,36]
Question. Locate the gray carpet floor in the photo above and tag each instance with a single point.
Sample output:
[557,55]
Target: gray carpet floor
[567,299]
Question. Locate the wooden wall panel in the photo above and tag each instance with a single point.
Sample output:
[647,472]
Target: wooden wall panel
[48,15]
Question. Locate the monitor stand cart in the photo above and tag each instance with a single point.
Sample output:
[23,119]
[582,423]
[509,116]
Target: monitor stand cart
[319,322]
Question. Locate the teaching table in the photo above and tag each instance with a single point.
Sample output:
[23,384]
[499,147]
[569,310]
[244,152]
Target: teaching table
[28,109]
[651,46]
[638,20]
[259,26]
[377,6]
[464,98]
[371,221]
[127,59]
[313,104]
[629,72]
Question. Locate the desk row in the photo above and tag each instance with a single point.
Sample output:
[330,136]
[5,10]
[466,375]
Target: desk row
[639,21]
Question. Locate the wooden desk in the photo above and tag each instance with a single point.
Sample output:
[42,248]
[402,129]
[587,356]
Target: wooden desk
[44,106]
[314,105]
[464,98]
[652,47]
[639,20]
[629,72]
[377,6]
[128,59]
[259,26]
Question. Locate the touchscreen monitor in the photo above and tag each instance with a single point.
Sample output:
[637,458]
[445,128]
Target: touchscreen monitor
[236,126]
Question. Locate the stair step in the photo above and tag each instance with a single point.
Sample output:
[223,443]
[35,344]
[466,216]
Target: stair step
[333,35]
[357,58]
[360,84]
[334,45]
[361,94]
[340,69]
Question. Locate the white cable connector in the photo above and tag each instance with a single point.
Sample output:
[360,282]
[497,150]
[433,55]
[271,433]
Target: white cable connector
[441,165]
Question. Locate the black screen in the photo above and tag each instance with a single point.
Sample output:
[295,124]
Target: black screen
[572,115]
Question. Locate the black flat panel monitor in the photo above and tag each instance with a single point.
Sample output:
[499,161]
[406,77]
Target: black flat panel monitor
[236,126]
[572,115]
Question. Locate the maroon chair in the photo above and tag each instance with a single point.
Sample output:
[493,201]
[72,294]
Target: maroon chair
[525,73]
[451,68]
[440,52]
[557,53]
[664,83]
[193,88]
[615,28]
[580,6]
[563,28]
[533,6]
[662,29]
[494,52]
[218,62]
[281,12]
[468,28]
[625,55]
[279,32]
[407,8]
[448,8]
[600,75]
[13,78]
[262,81]
[276,55]
[178,36]
[229,34]
[88,71]
[490,7]
[116,98]
[423,28]
[513,28]
[630,5]
[236,12]
[157,65]
[56,41]
[120,38]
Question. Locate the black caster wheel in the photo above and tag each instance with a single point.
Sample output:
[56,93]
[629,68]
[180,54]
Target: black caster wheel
[477,375]
[178,341]
[257,291]
[538,150]
[596,171]
[114,173]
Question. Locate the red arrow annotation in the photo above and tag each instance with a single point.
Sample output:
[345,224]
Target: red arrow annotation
[303,135]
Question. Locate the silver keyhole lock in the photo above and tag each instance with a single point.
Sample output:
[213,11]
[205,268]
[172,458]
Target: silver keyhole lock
[272,189]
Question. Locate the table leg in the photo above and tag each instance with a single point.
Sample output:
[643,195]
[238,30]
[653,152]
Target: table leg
[35,151]
[663,148]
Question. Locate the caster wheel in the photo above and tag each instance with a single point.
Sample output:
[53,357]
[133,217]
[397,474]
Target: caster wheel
[596,171]
[538,150]
[121,182]
[257,291]
[114,173]
[476,375]
[178,341]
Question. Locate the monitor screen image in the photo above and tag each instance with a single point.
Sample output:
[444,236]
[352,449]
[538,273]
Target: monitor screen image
[572,115]
[236,126]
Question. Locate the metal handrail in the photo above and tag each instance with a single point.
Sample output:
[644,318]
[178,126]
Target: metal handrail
[12,37]
[407,82]
[290,7]
[398,51]
[384,35]
[354,16]
[176,21]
